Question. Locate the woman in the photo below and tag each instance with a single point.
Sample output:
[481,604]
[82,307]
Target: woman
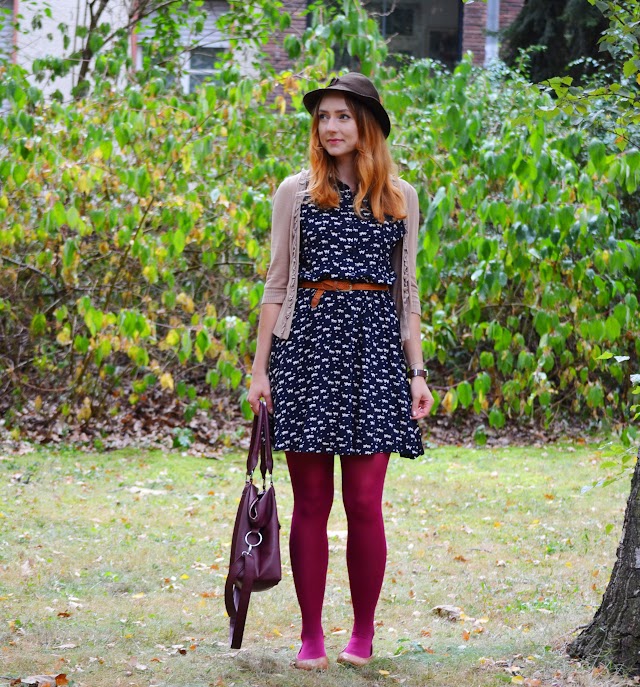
[340,303]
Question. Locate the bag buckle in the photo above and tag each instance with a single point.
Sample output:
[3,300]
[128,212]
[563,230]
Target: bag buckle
[249,544]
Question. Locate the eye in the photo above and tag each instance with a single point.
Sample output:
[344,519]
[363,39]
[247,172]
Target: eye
[345,116]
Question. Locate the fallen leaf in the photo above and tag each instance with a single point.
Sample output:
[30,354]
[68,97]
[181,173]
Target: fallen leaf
[517,679]
[465,635]
[531,682]
[43,680]
[26,569]
[452,613]
[384,672]
[65,646]
[460,558]
[64,614]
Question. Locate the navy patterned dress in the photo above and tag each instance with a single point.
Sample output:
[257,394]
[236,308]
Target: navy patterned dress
[339,382]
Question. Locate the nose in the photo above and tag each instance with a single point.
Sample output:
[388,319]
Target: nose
[331,124]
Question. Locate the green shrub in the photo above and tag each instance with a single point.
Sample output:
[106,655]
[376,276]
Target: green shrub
[134,236]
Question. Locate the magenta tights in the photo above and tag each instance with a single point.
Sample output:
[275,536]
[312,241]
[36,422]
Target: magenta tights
[362,485]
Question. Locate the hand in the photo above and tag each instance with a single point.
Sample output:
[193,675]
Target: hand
[422,400]
[260,388]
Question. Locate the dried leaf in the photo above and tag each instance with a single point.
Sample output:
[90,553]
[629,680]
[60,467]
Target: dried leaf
[26,568]
[452,613]
[43,680]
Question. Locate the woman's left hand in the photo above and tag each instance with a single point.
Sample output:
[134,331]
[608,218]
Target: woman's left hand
[422,400]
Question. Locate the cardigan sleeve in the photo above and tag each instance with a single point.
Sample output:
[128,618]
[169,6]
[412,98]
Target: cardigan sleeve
[413,220]
[275,287]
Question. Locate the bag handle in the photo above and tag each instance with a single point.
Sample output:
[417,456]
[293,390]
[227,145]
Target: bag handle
[260,445]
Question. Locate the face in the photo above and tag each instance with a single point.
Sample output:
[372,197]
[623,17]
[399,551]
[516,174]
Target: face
[337,126]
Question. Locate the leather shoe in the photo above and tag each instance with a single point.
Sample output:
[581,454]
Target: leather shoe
[321,663]
[353,660]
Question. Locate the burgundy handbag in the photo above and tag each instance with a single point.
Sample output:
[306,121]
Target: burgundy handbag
[255,548]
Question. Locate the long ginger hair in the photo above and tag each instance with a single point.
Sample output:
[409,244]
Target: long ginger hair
[374,168]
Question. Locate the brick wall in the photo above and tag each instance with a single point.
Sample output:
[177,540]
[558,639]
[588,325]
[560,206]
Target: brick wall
[275,47]
[475,23]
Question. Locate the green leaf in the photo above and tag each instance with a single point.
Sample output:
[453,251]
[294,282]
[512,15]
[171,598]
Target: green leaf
[496,418]
[465,394]
[612,328]
[178,241]
[38,324]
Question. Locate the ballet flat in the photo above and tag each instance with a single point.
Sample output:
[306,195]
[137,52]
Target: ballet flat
[321,663]
[353,660]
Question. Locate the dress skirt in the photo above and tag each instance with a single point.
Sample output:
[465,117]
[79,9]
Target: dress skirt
[339,381]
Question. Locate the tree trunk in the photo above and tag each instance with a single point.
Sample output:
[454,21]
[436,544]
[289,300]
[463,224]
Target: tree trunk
[613,636]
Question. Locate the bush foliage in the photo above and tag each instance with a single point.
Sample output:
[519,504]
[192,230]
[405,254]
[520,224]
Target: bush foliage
[134,234]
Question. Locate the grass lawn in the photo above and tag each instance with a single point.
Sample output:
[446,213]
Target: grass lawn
[112,571]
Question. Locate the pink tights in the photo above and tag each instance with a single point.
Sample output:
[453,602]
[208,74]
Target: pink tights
[362,485]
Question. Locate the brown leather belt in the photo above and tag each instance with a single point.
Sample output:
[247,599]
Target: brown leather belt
[338,285]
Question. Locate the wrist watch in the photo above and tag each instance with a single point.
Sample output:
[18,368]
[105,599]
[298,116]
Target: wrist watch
[418,372]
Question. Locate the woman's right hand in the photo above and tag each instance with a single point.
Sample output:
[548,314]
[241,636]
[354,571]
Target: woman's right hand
[259,388]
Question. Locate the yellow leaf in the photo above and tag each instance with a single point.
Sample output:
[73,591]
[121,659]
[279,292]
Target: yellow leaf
[173,338]
[166,381]
[184,577]
[384,672]
[517,679]
[83,184]
[638,77]
[448,401]
[141,595]
[186,302]
[64,337]
[276,632]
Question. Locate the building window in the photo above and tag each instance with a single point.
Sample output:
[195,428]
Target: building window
[202,65]
[421,28]
[199,52]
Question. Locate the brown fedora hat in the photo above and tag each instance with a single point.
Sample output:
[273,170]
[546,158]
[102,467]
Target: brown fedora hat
[358,87]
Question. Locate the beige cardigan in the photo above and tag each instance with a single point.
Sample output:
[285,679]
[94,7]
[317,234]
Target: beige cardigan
[282,278]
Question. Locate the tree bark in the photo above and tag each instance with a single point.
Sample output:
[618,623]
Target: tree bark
[613,636]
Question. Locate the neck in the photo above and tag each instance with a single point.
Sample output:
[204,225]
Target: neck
[346,170]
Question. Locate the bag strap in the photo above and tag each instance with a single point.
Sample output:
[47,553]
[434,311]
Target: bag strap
[255,445]
[237,601]
[266,456]
[260,445]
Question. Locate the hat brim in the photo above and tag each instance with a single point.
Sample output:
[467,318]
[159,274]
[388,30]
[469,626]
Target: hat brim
[312,98]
